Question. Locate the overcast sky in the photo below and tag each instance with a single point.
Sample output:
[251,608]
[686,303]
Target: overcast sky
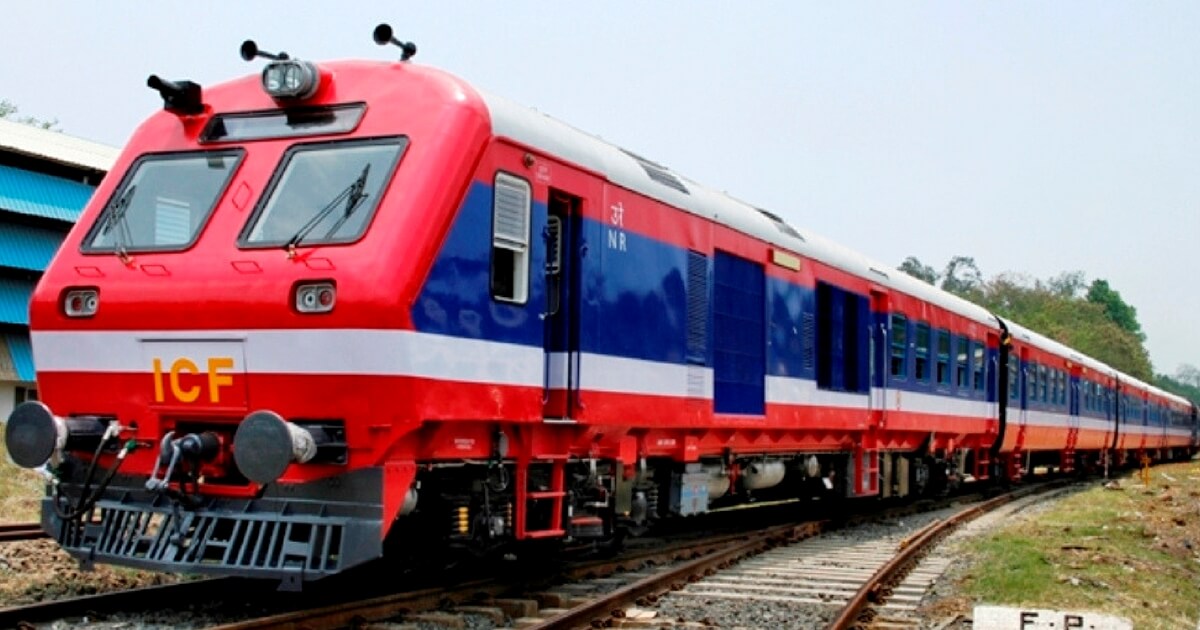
[1037,137]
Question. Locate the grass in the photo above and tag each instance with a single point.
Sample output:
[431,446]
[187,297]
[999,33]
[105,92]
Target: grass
[21,490]
[1132,552]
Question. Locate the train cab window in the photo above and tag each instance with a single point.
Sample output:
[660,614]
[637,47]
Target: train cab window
[163,202]
[962,363]
[899,343]
[921,364]
[943,357]
[510,238]
[323,193]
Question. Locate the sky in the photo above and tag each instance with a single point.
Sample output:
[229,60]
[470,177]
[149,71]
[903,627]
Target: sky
[1036,137]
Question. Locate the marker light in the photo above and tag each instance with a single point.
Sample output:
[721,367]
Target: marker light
[290,79]
[81,302]
[318,297]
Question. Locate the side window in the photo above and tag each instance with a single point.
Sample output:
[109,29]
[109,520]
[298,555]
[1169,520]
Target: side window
[1014,377]
[962,365]
[977,364]
[1031,385]
[899,342]
[943,357]
[510,239]
[921,370]
[1044,383]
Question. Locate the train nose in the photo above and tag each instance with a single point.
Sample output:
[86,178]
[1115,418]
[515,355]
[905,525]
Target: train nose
[33,433]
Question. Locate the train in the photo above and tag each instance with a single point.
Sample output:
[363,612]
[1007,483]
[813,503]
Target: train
[333,311]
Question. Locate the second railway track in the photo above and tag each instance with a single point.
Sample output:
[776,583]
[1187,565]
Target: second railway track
[21,531]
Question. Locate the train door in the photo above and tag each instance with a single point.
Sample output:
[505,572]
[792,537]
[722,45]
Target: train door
[560,316]
[1023,416]
[879,353]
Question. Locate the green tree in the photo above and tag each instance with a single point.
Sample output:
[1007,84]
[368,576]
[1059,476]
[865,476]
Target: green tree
[1115,308]
[913,267]
[9,111]
[962,278]
[1185,382]
[1054,309]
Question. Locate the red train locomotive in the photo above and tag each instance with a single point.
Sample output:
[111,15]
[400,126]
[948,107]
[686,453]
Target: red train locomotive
[334,303]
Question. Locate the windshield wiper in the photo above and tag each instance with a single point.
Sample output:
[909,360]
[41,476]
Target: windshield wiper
[115,219]
[353,195]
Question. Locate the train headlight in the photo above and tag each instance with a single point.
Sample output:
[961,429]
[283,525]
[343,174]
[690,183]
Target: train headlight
[317,297]
[81,302]
[291,79]
[265,444]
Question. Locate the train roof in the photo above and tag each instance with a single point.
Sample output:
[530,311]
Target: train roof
[633,172]
[638,174]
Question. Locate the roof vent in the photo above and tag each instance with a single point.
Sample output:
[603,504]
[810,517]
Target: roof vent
[658,173]
[779,224]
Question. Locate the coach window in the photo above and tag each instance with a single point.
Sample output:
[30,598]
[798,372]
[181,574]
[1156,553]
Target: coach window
[899,342]
[1044,383]
[510,239]
[962,374]
[943,357]
[1031,384]
[921,365]
[977,365]
[1014,377]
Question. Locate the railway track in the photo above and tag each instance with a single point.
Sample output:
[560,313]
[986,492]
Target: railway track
[841,579]
[21,531]
[576,594]
[582,595]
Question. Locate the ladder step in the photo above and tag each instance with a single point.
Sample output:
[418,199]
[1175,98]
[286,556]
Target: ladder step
[545,533]
[549,494]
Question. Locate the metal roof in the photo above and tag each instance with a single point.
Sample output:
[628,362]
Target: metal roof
[14,301]
[27,247]
[56,146]
[22,355]
[41,195]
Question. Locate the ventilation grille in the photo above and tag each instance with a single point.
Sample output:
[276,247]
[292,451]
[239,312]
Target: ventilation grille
[659,173]
[510,219]
[697,308]
[808,335]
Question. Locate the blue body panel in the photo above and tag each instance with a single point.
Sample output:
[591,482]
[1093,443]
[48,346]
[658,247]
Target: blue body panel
[456,299]
[739,302]
[631,300]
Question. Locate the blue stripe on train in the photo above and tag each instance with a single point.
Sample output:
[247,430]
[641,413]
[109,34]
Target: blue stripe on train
[634,303]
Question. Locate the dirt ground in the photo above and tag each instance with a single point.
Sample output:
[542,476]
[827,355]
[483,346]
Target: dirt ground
[37,570]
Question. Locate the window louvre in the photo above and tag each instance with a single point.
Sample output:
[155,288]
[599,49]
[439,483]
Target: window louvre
[511,208]
[511,211]
[697,308]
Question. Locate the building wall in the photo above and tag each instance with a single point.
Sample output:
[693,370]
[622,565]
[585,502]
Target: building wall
[46,178]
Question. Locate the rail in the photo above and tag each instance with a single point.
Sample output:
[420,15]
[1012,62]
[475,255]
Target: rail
[10,532]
